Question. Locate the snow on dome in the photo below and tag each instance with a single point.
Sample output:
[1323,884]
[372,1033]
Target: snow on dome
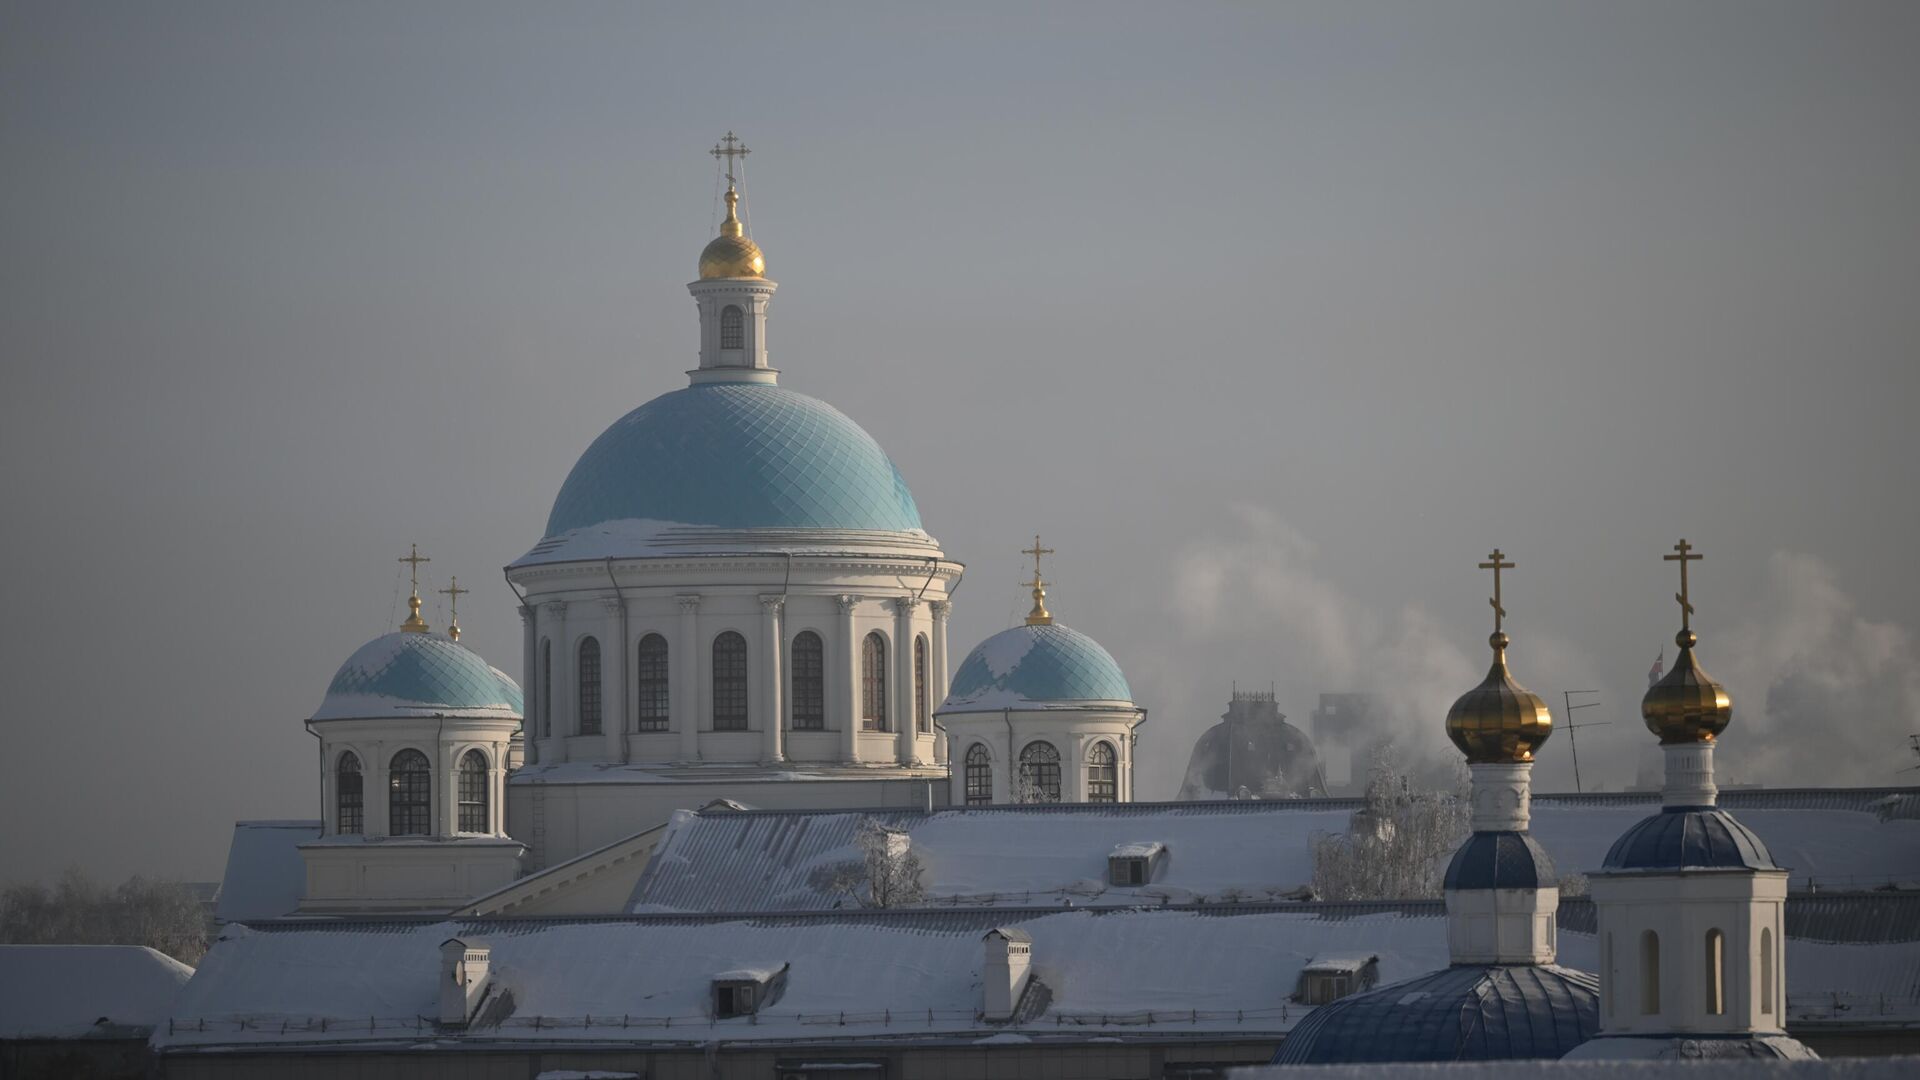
[1036,666]
[734,456]
[405,674]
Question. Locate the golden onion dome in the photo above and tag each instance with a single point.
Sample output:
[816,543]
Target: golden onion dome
[732,254]
[1686,706]
[1499,722]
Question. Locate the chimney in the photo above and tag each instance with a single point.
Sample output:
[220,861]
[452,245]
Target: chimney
[1004,974]
[464,979]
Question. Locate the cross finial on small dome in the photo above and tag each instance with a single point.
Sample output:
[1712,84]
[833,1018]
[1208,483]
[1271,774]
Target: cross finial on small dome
[1683,555]
[1039,616]
[453,592]
[414,623]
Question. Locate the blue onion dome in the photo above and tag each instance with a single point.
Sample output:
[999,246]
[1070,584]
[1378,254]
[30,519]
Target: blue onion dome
[1500,860]
[1689,838]
[1469,1012]
[728,456]
[406,674]
[1499,721]
[1037,666]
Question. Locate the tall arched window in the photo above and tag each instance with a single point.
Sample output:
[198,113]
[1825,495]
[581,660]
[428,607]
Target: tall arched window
[1716,973]
[650,680]
[1039,773]
[729,682]
[473,793]
[732,328]
[979,776]
[923,722]
[1649,973]
[349,795]
[873,683]
[546,687]
[589,686]
[1103,774]
[1766,970]
[809,682]
[409,794]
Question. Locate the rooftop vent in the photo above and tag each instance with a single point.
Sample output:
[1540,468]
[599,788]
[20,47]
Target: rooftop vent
[745,991]
[1136,863]
[1005,973]
[465,966]
[1330,978]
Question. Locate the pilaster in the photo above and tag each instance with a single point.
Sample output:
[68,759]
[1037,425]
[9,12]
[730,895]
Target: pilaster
[685,688]
[529,721]
[555,717]
[613,679]
[906,723]
[772,719]
[847,682]
[937,692]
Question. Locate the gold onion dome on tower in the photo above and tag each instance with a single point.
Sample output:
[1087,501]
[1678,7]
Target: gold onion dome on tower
[1686,706]
[732,254]
[1498,722]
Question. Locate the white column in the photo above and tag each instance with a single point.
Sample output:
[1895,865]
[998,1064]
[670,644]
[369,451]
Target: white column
[529,721]
[613,679]
[907,725]
[553,728]
[773,719]
[497,791]
[937,692]
[686,684]
[1689,775]
[849,678]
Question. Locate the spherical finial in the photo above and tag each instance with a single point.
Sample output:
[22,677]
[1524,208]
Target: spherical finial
[1499,639]
[1686,639]
[1499,721]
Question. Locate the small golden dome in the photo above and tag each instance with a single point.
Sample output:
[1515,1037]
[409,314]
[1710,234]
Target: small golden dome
[1499,722]
[1686,706]
[732,254]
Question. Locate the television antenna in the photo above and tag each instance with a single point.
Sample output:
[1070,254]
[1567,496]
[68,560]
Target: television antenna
[1573,743]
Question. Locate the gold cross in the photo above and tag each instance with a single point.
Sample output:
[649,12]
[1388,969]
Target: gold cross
[729,148]
[1496,565]
[453,592]
[1681,555]
[1036,551]
[413,556]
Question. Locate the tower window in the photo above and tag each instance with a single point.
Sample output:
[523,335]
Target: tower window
[729,682]
[650,680]
[473,793]
[1649,973]
[409,794]
[809,682]
[979,776]
[1716,973]
[1103,774]
[873,683]
[349,793]
[732,328]
[922,721]
[1039,773]
[589,686]
[1766,970]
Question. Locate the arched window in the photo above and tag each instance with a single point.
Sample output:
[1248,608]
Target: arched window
[409,794]
[729,682]
[809,682]
[873,683]
[473,793]
[546,687]
[732,328]
[1716,973]
[349,796]
[589,686]
[979,776]
[650,680]
[923,722]
[1103,774]
[1607,974]
[1039,773]
[1649,973]
[1766,970]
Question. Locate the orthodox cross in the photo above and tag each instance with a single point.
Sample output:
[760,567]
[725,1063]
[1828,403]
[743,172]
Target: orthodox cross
[1682,556]
[1496,565]
[453,592]
[413,556]
[1036,551]
[728,149]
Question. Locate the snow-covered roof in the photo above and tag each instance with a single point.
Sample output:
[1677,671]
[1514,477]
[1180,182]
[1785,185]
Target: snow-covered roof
[1886,1068]
[1037,667]
[1018,855]
[81,991]
[405,674]
[265,876]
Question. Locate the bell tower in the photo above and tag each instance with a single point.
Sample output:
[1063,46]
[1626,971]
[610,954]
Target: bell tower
[732,292]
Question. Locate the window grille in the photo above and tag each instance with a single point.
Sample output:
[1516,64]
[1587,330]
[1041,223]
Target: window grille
[650,677]
[809,682]
[350,796]
[473,793]
[1103,774]
[590,686]
[409,794]
[923,723]
[732,328]
[873,683]
[979,776]
[1039,773]
[729,682]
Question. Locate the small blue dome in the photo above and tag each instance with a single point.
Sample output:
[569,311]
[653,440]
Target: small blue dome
[1469,1012]
[1500,860]
[736,456]
[1036,667]
[407,674]
[1689,837]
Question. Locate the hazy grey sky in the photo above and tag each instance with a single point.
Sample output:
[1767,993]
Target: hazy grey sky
[1273,319]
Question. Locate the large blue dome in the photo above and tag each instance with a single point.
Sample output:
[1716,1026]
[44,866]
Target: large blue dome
[736,456]
[407,674]
[1468,1012]
[1041,666]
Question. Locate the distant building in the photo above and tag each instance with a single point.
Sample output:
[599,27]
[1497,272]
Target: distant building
[1253,753]
[1347,729]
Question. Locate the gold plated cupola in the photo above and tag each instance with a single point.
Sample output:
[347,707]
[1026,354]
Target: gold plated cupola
[1499,721]
[1687,706]
[732,254]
